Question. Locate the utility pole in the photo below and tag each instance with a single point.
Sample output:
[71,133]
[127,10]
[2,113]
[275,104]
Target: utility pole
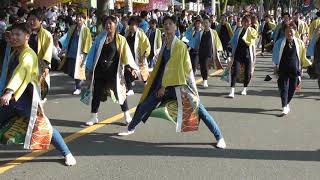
[261,12]
[173,6]
[129,6]
[290,7]
[213,7]
[183,4]
[198,7]
[103,7]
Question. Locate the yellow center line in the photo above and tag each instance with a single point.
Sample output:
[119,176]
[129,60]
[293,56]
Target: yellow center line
[30,156]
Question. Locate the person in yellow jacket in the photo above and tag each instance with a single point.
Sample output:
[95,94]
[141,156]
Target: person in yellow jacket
[315,24]
[20,98]
[289,56]
[265,31]
[302,27]
[41,42]
[225,34]
[155,38]
[209,48]
[173,79]
[76,42]
[243,43]
[140,48]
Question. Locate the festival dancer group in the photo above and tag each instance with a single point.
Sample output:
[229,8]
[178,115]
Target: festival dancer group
[164,62]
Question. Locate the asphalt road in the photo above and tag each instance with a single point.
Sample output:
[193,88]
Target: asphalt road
[260,145]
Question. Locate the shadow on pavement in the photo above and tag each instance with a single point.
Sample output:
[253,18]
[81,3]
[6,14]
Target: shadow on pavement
[97,144]
[244,110]
[66,123]
[69,123]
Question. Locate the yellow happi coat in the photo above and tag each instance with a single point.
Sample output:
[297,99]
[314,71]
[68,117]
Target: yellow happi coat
[300,48]
[84,45]
[228,26]
[302,27]
[142,49]
[313,27]
[157,42]
[249,38]
[39,132]
[178,74]
[217,47]
[45,47]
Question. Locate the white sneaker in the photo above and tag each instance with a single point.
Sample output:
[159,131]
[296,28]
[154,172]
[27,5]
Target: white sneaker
[77,92]
[221,144]
[231,95]
[205,83]
[227,60]
[286,110]
[244,92]
[127,133]
[70,160]
[44,101]
[127,117]
[94,120]
[130,93]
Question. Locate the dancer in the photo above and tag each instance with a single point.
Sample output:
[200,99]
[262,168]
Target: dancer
[266,32]
[144,25]
[279,30]
[41,42]
[209,47]
[302,27]
[193,36]
[140,48]
[20,97]
[3,40]
[5,54]
[289,56]
[214,23]
[242,42]
[173,79]
[77,42]
[225,34]
[154,36]
[106,62]
[315,24]
[313,51]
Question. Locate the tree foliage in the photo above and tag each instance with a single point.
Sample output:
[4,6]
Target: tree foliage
[242,2]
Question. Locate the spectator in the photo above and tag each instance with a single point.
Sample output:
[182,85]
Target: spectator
[144,25]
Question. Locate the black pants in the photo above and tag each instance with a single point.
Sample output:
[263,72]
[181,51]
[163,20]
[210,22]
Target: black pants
[235,71]
[263,43]
[128,78]
[204,66]
[99,87]
[266,39]
[194,56]
[287,86]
